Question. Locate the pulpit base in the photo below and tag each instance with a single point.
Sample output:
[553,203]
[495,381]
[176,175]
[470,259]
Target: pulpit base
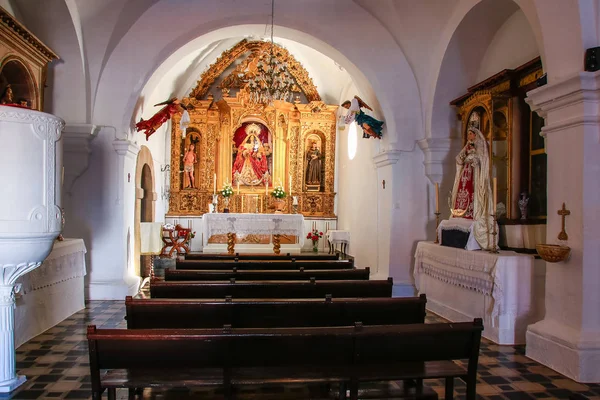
[13,384]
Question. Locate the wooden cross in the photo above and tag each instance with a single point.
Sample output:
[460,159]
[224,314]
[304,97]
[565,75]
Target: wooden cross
[563,213]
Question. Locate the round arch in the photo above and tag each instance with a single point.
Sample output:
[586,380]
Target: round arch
[390,86]
[145,202]
[484,17]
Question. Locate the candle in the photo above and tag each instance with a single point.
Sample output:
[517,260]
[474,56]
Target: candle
[290,184]
[215,184]
[238,187]
[437,197]
[295,202]
[495,180]
[266,188]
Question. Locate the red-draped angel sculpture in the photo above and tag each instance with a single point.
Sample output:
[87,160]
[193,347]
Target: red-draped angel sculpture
[172,107]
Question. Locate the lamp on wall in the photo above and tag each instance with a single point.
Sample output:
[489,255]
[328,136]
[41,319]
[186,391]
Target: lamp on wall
[272,80]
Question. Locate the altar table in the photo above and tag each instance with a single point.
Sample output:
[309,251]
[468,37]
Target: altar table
[506,289]
[52,292]
[252,224]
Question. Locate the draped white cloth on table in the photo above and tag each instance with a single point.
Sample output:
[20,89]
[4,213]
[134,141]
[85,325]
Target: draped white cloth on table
[255,224]
[66,261]
[494,275]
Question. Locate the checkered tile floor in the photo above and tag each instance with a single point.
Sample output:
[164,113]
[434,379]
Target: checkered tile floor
[57,367]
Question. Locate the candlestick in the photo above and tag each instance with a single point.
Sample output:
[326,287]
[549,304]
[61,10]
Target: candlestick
[494,248]
[495,180]
[215,184]
[437,223]
[294,200]
[238,187]
[266,188]
[437,197]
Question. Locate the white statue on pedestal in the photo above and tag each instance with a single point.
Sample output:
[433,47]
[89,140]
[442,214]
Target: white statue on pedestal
[472,192]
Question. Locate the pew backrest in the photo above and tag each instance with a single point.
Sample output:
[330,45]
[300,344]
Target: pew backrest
[270,289]
[263,265]
[266,275]
[260,313]
[266,256]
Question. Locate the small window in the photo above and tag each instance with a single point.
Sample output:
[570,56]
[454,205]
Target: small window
[352,140]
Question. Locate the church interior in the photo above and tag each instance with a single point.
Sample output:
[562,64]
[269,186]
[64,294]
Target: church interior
[277,199]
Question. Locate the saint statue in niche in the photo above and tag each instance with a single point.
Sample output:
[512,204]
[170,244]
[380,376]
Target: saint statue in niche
[189,161]
[313,165]
[251,164]
[472,192]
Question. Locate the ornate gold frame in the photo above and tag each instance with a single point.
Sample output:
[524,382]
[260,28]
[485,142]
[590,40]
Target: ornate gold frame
[217,121]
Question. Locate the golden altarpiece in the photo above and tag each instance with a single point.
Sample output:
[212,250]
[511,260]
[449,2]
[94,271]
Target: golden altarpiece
[253,147]
[23,64]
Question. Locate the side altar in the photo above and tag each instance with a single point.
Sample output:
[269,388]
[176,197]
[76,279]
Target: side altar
[505,289]
[276,226]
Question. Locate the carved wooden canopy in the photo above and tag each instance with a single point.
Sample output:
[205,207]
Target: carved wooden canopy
[256,49]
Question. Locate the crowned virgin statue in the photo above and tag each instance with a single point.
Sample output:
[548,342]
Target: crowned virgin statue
[472,192]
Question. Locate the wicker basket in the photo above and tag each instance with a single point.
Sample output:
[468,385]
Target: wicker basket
[552,252]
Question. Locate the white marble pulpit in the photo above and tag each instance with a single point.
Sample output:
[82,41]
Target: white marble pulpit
[252,224]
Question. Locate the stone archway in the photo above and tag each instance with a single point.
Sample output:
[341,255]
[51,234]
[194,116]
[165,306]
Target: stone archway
[145,204]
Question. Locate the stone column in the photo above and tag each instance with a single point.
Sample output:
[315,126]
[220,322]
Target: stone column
[9,379]
[568,338]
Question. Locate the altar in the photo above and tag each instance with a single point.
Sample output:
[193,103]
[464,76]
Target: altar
[283,232]
[506,289]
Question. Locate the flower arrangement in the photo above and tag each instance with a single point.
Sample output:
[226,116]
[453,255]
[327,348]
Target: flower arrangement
[278,192]
[315,235]
[227,190]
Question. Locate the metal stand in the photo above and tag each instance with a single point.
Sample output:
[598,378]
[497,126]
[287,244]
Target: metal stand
[437,223]
[494,248]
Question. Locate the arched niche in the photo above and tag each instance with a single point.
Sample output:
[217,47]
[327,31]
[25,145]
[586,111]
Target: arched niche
[313,143]
[145,205]
[190,162]
[15,74]
[252,154]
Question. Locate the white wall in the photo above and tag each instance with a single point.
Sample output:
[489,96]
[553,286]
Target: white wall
[357,193]
[512,46]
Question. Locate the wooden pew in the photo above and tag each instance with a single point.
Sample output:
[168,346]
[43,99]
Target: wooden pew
[233,358]
[262,265]
[277,313]
[266,275]
[270,289]
[266,256]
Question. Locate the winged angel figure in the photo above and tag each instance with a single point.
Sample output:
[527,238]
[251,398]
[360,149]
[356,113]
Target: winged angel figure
[171,107]
[371,126]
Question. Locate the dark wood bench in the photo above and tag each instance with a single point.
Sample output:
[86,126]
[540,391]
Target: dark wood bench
[266,256]
[270,289]
[260,313]
[266,275]
[263,265]
[232,358]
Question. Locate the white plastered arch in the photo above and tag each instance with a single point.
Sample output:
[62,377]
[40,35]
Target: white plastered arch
[381,73]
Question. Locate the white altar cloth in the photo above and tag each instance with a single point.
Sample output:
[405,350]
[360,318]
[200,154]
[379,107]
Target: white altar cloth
[52,292]
[505,289]
[252,224]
